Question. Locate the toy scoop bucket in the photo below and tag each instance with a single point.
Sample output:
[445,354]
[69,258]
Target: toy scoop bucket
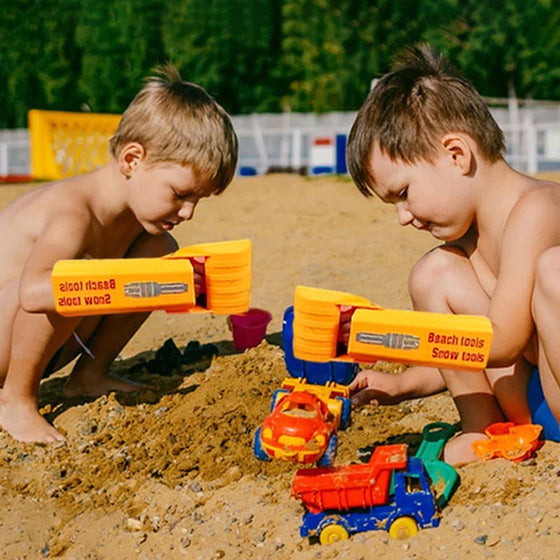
[249,328]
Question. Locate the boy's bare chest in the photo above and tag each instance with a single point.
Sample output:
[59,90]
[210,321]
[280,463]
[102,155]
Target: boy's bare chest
[105,244]
[106,249]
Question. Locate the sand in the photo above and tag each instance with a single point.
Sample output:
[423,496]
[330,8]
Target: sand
[169,473]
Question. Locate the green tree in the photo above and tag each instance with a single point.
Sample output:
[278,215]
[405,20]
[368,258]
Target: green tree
[506,45]
[263,55]
[313,54]
[121,41]
[38,60]
[229,47]
[333,49]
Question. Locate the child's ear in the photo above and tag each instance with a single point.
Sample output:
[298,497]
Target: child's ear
[459,150]
[130,157]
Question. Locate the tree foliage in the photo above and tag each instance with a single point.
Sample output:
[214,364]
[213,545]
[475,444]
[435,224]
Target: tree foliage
[230,47]
[514,48]
[263,55]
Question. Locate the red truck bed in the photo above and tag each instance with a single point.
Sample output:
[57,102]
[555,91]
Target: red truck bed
[350,486]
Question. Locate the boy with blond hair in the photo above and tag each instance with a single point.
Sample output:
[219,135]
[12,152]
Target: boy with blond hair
[173,146]
[425,142]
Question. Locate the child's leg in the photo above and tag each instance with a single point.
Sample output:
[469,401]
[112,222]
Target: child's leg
[90,376]
[31,341]
[444,281]
[546,315]
[28,341]
[105,338]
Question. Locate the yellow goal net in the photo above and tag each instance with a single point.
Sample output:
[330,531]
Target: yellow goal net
[65,144]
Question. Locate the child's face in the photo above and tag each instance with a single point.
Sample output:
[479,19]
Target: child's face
[165,194]
[429,196]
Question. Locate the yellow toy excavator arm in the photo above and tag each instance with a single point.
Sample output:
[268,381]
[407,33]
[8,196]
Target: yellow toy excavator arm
[410,337]
[101,286]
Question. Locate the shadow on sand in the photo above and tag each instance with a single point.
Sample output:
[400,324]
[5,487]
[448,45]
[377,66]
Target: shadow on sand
[163,371]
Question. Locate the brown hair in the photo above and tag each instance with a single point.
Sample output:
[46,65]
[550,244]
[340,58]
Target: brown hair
[411,108]
[179,122]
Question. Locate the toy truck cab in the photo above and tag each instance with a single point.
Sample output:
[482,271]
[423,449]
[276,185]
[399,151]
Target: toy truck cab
[414,502]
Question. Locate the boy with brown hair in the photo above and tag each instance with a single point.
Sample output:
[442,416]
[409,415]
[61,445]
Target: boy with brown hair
[173,146]
[425,142]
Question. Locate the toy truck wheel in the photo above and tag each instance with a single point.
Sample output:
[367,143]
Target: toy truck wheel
[258,450]
[333,533]
[403,528]
[328,457]
[346,411]
[276,396]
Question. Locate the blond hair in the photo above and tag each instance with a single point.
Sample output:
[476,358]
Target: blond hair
[179,122]
[410,109]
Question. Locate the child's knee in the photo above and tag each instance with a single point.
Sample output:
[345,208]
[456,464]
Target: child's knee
[433,272]
[547,273]
[153,246]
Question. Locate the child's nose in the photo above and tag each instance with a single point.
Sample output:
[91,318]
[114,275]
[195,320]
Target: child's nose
[186,212]
[404,216]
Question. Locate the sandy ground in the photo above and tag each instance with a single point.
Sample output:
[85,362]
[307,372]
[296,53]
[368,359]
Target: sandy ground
[169,473]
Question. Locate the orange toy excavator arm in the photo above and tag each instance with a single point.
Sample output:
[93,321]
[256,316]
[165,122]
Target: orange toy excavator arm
[101,286]
[411,337]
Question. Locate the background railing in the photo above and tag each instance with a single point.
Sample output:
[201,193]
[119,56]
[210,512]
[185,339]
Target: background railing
[288,141]
[14,152]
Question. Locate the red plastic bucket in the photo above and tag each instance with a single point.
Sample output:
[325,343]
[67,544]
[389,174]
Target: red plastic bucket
[249,328]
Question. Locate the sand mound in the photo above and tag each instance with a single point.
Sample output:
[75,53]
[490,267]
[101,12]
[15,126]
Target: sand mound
[169,472]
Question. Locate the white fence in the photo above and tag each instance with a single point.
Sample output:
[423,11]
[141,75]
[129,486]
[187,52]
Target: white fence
[283,141]
[275,142]
[14,152]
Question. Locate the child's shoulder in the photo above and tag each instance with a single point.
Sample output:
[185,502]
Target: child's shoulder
[539,202]
[543,180]
[53,201]
[540,189]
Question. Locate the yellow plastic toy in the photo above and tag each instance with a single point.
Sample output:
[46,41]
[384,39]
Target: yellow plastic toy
[410,337]
[101,286]
[64,144]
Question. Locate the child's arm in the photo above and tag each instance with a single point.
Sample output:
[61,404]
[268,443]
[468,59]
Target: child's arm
[63,238]
[384,388]
[532,228]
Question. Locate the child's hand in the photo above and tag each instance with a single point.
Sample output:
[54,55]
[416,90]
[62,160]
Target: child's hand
[375,387]
[199,275]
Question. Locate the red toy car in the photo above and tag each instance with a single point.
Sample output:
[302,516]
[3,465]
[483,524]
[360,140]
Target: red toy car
[303,423]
